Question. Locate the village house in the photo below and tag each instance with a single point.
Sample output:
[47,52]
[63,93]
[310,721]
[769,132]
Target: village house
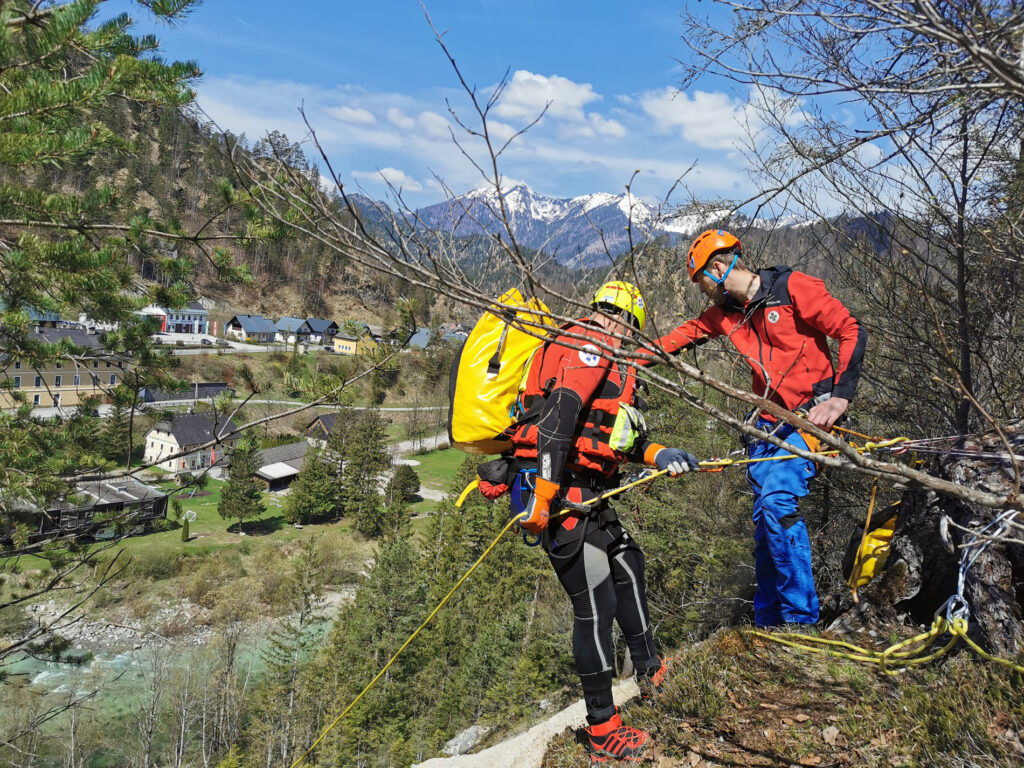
[121,505]
[66,382]
[254,329]
[346,344]
[319,429]
[291,330]
[184,435]
[280,465]
[321,331]
[190,319]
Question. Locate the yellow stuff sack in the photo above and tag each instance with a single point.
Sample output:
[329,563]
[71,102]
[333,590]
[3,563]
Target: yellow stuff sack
[489,373]
[870,555]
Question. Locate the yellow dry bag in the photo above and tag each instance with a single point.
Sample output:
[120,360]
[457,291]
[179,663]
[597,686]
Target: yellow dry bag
[868,558]
[489,373]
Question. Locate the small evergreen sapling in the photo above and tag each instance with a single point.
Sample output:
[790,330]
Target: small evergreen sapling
[242,497]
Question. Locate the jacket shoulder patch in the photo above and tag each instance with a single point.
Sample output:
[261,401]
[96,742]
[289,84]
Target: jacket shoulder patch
[590,355]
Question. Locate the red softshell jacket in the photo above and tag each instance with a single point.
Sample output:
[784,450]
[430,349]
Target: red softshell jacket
[783,333]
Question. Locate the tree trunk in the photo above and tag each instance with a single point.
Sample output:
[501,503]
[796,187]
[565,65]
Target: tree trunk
[926,548]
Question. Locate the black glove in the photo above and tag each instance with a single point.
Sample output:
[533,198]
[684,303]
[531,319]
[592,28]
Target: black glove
[675,460]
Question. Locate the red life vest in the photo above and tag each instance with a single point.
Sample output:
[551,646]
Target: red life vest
[605,387]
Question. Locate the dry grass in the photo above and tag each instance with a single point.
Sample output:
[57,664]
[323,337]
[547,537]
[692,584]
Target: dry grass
[733,702]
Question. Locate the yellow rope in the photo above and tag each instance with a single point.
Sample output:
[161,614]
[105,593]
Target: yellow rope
[867,447]
[909,652]
[466,491]
[426,621]
[959,629]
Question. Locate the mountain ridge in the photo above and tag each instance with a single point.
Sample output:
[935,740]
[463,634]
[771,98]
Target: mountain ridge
[582,231]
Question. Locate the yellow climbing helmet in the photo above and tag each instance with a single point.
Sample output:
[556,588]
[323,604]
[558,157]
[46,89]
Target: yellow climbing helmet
[623,296]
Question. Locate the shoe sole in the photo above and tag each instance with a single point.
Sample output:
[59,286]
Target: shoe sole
[604,757]
[601,759]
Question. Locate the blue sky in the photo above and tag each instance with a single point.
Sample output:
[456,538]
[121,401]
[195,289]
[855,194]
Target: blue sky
[374,84]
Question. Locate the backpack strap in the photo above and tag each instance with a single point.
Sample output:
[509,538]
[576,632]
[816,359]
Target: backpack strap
[494,364]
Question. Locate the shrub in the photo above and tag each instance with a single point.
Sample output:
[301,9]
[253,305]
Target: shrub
[14,621]
[162,524]
[153,565]
[208,573]
[276,585]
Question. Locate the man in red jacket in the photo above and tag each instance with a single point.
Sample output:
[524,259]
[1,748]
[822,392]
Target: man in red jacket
[780,321]
[588,425]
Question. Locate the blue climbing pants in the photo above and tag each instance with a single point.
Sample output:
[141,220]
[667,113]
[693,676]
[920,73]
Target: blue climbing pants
[782,550]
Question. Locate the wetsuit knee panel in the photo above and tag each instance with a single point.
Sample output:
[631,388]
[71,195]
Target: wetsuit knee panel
[582,605]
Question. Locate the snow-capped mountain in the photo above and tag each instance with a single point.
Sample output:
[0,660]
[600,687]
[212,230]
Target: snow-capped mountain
[579,230]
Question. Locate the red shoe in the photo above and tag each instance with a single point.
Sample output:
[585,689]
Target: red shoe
[613,739]
[650,685]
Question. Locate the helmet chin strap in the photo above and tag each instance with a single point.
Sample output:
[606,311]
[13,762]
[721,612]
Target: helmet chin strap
[720,281]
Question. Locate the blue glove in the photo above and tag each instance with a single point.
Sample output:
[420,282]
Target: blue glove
[675,460]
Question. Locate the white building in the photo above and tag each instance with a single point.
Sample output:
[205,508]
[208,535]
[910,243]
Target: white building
[184,435]
[190,319]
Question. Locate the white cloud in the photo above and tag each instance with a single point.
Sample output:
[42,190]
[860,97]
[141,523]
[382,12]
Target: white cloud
[393,176]
[709,120]
[527,94]
[433,125]
[354,115]
[606,127]
[398,118]
[574,151]
[500,130]
[593,126]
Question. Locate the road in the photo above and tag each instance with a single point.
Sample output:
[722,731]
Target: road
[352,407]
[430,443]
[227,346]
[104,411]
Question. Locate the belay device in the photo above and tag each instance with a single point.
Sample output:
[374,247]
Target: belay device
[489,373]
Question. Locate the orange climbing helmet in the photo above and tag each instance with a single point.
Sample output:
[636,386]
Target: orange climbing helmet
[710,243]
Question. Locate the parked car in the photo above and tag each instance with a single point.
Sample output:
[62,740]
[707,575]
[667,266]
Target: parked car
[157,340]
[206,342]
[222,343]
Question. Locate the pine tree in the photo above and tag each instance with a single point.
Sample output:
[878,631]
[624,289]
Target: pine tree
[114,437]
[335,457]
[242,497]
[278,723]
[366,459]
[312,496]
[403,486]
[65,240]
